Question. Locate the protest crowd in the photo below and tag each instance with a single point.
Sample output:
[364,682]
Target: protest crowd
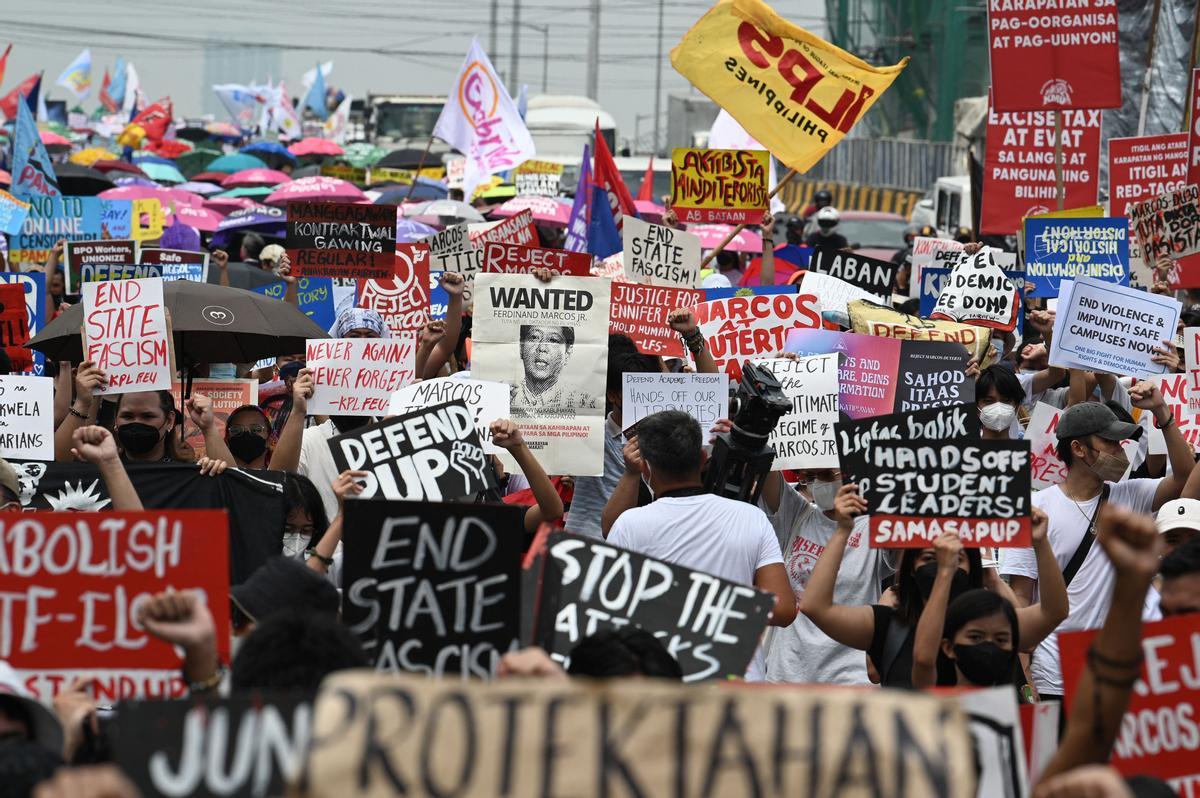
[326,478]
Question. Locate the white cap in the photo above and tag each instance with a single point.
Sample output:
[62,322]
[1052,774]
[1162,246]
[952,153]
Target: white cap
[1179,514]
[46,728]
[828,214]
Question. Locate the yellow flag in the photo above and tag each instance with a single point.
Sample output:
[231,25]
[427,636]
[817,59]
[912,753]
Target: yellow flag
[793,91]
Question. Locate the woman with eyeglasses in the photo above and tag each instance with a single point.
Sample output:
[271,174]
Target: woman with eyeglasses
[248,432]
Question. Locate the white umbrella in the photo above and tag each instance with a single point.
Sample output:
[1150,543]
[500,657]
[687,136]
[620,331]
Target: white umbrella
[434,211]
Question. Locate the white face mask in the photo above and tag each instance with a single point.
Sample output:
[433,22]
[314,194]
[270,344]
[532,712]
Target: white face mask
[998,416]
[294,544]
[824,493]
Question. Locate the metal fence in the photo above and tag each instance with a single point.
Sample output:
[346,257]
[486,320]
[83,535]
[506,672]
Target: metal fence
[890,163]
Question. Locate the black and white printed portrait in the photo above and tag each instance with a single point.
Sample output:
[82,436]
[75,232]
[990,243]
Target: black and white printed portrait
[545,352]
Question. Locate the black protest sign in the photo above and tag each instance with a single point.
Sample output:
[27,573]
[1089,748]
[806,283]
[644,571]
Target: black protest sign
[933,374]
[710,625]
[248,745]
[341,239]
[432,454]
[919,489]
[111,253]
[869,274]
[433,588]
[854,438]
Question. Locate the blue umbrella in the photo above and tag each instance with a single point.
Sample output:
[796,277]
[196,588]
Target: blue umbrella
[163,173]
[264,219]
[235,163]
[143,159]
[268,150]
[408,231]
[425,189]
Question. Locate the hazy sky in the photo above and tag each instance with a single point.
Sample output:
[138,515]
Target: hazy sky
[179,47]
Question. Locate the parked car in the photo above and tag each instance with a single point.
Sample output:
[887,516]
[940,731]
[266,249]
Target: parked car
[875,234]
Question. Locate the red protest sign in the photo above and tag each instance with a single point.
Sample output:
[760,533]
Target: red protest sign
[73,583]
[14,326]
[1159,731]
[640,311]
[1142,167]
[1018,170]
[1194,132]
[403,299]
[743,327]
[341,239]
[514,259]
[1064,57]
[516,229]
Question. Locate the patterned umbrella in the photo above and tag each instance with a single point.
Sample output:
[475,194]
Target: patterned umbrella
[315,188]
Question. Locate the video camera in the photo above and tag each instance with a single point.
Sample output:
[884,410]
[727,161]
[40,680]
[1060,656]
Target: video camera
[741,458]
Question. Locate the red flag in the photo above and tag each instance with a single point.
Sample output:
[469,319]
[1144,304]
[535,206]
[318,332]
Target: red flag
[8,103]
[155,119]
[646,189]
[606,176]
[106,99]
[4,62]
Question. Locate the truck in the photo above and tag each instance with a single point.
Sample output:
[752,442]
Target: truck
[403,121]
[562,123]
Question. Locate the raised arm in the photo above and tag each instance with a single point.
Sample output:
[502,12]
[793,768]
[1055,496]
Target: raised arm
[97,446]
[1043,322]
[683,321]
[49,268]
[286,456]
[320,557]
[507,435]
[82,411]
[291,291]
[625,495]
[433,332]
[199,410]
[221,258]
[1146,395]
[931,628]
[183,619]
[850,626]
[1037,621]
[454,284]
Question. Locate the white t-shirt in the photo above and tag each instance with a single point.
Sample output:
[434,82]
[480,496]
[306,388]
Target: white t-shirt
[1090,592]
[802,653]
[316,463]
[707,533]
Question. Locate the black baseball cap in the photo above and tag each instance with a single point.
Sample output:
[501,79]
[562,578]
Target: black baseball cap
[284,583]
[1094,418]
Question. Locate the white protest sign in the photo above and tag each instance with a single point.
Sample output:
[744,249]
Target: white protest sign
[660,255]
[805,436]
[1046,467]
[834,292]
[450,250]
[1100,326]
[978,292]
[357,376]
[936,252]
[125,334]
[26,417]
[705,397]
[487,402]
[1191,359]
[999,740]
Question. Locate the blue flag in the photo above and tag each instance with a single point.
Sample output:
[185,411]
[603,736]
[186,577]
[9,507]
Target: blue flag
[32,173]
[116,89]
[315,99]
[577,225]
[32,98]
[603,237]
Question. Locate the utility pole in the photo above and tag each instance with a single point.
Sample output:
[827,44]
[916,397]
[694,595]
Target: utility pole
[658,81]
[593,66]
[515,55]
[493,36]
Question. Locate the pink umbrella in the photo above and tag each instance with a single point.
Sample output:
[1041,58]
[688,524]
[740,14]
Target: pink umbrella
[547,210]
[163,195]
[248,178]
[315,188]
[5,177]
[52,139]
[315,146]
[649,211]
[227,205]
[711,235]
[203,219]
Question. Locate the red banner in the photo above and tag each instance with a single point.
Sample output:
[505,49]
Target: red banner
[1018,171]
[516,229]
[640,311]
[1065,57]
[73,583]
[402,301]
[1194,133]
[514,259]
[1160,732]
[1143,167]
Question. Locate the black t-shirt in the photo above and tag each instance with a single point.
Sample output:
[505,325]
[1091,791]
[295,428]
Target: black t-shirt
[831,241]
[900,672]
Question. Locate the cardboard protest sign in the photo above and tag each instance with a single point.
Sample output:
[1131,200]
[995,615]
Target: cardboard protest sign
[1157,734]
[177,264]
[431,454]
[1168,228]
[705,397]
[722,186]
[433,588]
[51,219]
[538,178]
[549,343]
[450,250]
[1058,249]
[854,438]
[357,376]
[660,255]
[978,292]
[877,320]
[517,229]
[380,732]
[1104,327]
[12,213]
[314,297]
[588,586]
[979,489]
[1140,169]
[866,369]
[1174,389]
[743,327]
[168,747]
[835,295]
[1019,179]
[403,299]
[341,239]
[933,280]
[77,578]
[226,395]
[1060,55]
[932,374]
[14,325]
[1046,467]
[125,335]
[998,735]
[514,259]
[1191,360]
[81,256]
[26,417]
[641,312]
[486,401]
[931,252]
[804,438]
[876,277]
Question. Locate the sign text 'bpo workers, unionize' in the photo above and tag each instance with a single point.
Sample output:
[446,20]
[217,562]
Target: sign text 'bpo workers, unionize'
[722,186]
[515,259]
[743,327]
[487,402]
[660,255]
[641,312]
[84,261]
[357,376]
[876,277]
[979,489]
[1065,249]
[26,417]
[803,438]
[980,293]
[341,239]
[125,334]
[434,588]
[75,580]
[431,454]
[705,397]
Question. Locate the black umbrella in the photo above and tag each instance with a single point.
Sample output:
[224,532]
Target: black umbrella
[308,170]
[75,180]
[211,323]
[403,159]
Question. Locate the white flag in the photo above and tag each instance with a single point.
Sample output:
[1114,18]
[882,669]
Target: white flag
[240,101]
[286,120]
[727,134]
[310,77]
[133,90]
[481,121]
[337,125]
[77,77]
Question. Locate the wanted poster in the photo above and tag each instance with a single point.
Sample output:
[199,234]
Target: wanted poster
[549,343]
[660,255]
[433,454]
[980,293]
[919,489]
[341,239]
[804,436]
[876,277]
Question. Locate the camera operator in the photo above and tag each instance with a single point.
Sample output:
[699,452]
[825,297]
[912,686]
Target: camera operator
[686,525]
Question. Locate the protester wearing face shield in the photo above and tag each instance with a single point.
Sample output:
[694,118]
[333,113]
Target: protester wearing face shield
[1089,444]
[999,396]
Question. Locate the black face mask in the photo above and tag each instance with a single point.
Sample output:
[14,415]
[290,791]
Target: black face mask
[984,664]
[927,573]
[137,438]
[247,446]
[348,423]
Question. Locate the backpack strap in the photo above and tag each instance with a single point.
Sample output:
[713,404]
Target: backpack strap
[1085,545]
[893,644]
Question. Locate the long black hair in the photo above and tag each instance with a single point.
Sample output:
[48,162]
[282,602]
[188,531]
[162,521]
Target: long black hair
[975,604]
[911,600]
[299,491]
